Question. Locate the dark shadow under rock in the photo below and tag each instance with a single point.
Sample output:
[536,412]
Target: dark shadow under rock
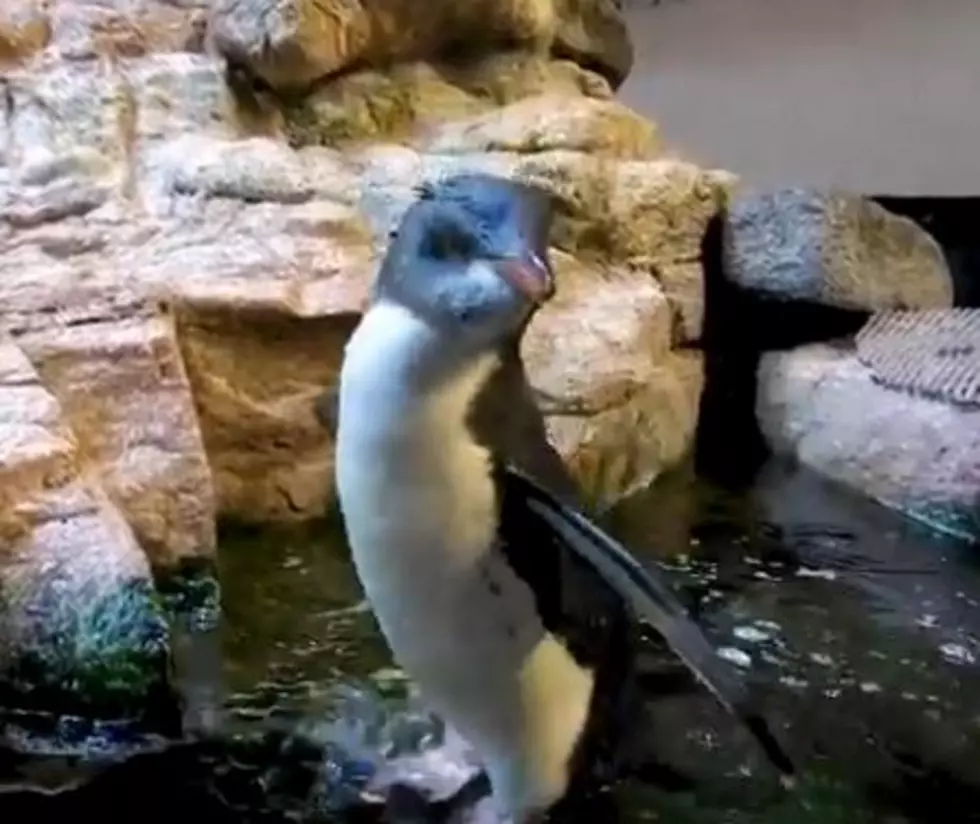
[738,327]
[955,224]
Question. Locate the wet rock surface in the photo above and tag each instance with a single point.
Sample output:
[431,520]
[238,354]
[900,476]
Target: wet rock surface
[819,404]
[860,632]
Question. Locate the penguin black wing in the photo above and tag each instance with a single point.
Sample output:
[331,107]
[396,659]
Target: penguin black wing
[549,523]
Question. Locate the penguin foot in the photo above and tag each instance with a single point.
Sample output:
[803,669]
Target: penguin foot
[406,804]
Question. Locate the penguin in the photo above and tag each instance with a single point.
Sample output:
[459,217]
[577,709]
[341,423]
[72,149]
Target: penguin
[518,617]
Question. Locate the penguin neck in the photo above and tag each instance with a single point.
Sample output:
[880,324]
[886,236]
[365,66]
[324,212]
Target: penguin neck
[398,389]
[410,475]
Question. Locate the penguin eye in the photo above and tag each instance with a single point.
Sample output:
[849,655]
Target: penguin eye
[449,244]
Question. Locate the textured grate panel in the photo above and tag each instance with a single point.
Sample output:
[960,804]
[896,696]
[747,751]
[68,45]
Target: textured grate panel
[933,352]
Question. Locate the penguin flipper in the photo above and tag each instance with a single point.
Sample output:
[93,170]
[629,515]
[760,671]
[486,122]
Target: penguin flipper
[650,599]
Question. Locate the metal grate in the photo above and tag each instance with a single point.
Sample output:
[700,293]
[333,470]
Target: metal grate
[934,353]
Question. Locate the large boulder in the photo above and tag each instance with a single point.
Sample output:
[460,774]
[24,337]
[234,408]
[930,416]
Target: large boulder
[819,404]
[832,248]
[80,628]
[110,356]
[620,406]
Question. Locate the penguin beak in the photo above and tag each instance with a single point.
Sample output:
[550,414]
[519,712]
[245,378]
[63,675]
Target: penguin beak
[529,275]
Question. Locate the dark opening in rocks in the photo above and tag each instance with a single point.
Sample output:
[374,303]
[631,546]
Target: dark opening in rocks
[955,224]
[738,327]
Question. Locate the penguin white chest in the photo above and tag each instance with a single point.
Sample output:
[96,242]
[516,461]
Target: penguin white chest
[420,512]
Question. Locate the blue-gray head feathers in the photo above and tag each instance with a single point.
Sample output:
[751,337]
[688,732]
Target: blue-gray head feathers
[471,256]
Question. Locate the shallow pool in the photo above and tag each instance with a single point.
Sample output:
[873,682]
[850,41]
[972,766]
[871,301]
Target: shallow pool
[861,630]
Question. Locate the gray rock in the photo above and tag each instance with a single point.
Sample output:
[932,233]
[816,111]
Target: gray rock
[832,248]
[819,405]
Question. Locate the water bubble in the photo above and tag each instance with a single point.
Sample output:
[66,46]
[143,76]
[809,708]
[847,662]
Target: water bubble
[751,634]
[957,654]
[825,574]
[735,656]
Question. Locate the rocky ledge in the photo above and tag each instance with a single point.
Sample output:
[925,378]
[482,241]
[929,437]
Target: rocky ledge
[193,201]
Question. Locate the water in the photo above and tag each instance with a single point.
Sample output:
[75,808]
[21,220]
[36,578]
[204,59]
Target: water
[861,631]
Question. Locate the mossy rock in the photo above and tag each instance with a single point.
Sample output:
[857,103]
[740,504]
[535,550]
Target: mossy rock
[105,657]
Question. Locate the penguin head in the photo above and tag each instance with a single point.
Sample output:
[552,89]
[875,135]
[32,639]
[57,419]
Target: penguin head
[470,258]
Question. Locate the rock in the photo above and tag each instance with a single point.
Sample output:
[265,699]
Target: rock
[832,248]
[66,107]
[125,28]
[177,94]
[508,76]
[291,44]
[547,122]
[24,29]
[256,372]
[113,363]
[619,406]
[262,342]
[411,99]
[917,455]
[368,104]
[253,170]
[595,36]
[81,631]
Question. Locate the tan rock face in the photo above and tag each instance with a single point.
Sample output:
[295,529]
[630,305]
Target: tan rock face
[620,406]
[291,44]
[406,100]
[142,178]
[917,455]
[112,360]
[75,590]
[594,34]
[547,122]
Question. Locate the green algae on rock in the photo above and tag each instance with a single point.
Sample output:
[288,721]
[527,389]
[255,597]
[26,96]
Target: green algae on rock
[191,593]
[103,658]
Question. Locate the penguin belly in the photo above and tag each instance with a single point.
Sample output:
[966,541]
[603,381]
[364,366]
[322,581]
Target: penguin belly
[466,629]
[419,507]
